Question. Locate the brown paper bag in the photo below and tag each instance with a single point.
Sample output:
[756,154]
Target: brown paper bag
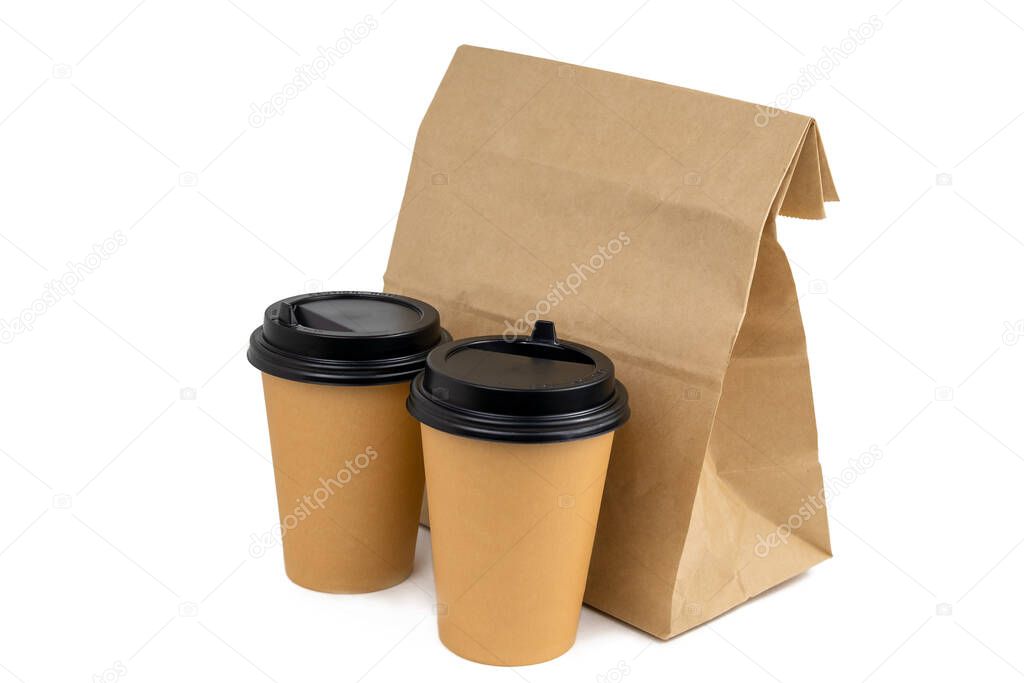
[640,217]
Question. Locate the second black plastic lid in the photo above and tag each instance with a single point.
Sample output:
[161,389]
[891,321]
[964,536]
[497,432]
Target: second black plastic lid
[346,338]
[530,389]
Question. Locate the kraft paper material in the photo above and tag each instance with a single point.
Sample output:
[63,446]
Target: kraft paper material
[641,218]
[512,536]
[349,472]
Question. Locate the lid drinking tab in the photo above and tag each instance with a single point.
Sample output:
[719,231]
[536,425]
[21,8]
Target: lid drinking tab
[543,331]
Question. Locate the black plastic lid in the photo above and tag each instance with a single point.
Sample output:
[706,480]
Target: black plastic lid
[346,338]
[528,389]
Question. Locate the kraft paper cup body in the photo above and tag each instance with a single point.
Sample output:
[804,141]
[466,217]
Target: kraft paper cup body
[517,433]
[348,464]
[512,527]
[349,473]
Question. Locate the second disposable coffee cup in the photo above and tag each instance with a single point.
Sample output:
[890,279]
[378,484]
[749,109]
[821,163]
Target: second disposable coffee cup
[347,456]
[516,440]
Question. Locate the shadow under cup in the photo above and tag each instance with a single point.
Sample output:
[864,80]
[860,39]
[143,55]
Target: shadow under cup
[348,463]
[516,441]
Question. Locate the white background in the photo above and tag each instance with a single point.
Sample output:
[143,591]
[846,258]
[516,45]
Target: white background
[127,506]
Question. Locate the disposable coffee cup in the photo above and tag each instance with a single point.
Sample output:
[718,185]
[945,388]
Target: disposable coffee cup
[516,439]
[347,456]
